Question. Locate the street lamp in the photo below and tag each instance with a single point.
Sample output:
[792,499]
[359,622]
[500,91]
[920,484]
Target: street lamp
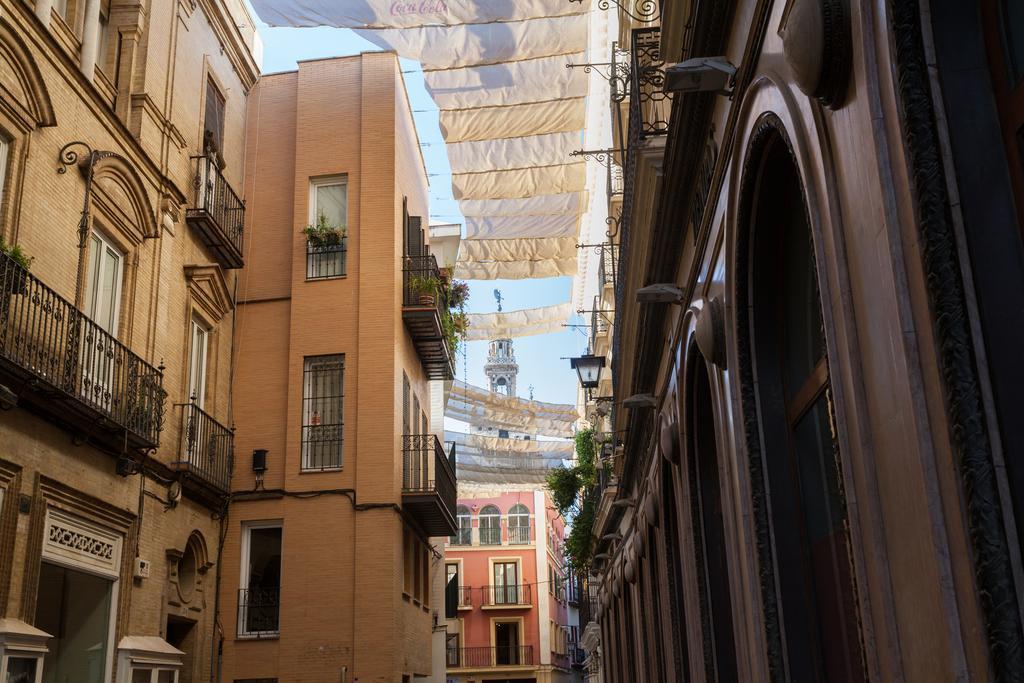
[588,367]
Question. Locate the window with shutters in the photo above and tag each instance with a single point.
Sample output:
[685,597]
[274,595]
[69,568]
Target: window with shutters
[213,120]
[323,393]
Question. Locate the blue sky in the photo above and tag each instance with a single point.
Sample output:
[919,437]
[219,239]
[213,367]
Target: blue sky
[542,363]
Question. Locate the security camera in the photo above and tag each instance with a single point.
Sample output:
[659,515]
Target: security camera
[702,74]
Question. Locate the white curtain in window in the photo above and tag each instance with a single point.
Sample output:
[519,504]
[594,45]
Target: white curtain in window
[332,202]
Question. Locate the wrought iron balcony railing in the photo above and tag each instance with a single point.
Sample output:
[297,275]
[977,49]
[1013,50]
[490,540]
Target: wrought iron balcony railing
[426,315]
[483,657]
[560,659]
[259,612]
[217,214]
[519,535]
[428,483]
[464,536]
[207,447]
[327,261]
[67,366]
[506,595]
[490,536]
[577,655]
[606,269]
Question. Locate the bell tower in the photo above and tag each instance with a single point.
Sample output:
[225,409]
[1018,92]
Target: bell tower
[501,368]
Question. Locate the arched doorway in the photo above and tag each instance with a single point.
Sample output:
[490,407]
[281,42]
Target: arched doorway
[802,516]
[708,526]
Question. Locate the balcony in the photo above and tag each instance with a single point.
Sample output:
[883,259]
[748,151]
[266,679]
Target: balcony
[206,450]
[428,483]
[577,656]
[66,367]
[485,657]
[509,596]
[259,612]
[519,535]
[490,535]
[425,316]
[464,536]
[218,215]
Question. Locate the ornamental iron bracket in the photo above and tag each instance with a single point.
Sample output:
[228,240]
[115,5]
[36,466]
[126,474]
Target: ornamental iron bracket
[637,10]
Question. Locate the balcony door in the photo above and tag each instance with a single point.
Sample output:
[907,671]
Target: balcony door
[99,332]
[506,643]
[197,364]
[506,583]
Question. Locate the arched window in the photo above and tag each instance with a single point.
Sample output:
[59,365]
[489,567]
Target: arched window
[490,525]
[519,524]
[672,549]
[464,536]
[817,596]
[708,527]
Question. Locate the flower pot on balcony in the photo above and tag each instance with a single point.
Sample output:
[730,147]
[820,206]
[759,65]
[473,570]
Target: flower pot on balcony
[427,299]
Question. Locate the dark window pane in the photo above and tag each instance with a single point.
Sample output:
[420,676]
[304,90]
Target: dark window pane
[804,343]
[1012,18]
[824,517]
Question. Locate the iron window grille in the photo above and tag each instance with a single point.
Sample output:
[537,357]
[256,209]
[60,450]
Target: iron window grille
[259,612]
[322,412]
[327,261]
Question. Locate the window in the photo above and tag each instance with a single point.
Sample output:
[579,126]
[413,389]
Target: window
[708,525]
[104,37]
[452,652]
[103,290]
[452,590]
[322,415]
[260,592]
[327,252]
[197,363]
[519,524]
[75,607]
[464,535]
[673,559]
[154,675]
[102,307]
[506,583]
[5,151]
[490,525]
[408,563]
[808,509]
[213,120]
[502,433]
[506,643]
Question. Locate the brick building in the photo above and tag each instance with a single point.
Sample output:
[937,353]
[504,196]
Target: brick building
[115,346]
[341,351]
[507,600]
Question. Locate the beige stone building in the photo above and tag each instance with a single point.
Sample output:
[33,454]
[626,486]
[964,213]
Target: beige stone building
[341,485]
[121,160]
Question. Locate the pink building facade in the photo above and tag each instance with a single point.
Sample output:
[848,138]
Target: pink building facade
[507,592]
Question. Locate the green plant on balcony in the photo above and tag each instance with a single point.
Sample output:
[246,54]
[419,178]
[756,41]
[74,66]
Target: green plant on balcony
[568,486]
[15,280]
[425,287]
[322,234]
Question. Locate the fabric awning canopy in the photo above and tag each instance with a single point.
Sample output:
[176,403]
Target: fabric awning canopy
[521,323]
[510,111]
[484,408]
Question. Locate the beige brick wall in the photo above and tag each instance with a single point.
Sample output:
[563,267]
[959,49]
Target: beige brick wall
[341,598]
[153,124]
